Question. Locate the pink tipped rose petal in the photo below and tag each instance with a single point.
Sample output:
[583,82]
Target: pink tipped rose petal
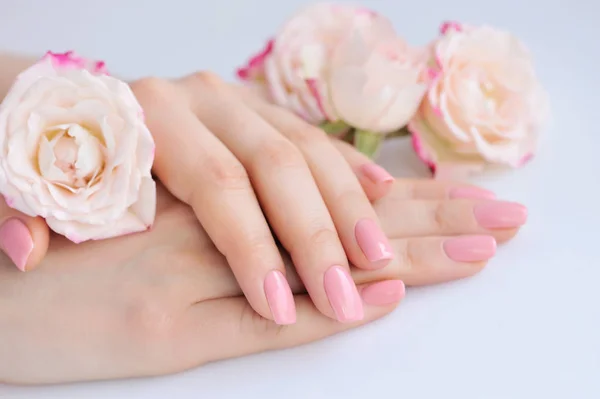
[484,109]
[82,163]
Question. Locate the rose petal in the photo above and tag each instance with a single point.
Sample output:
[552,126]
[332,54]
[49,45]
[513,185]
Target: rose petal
[145,207]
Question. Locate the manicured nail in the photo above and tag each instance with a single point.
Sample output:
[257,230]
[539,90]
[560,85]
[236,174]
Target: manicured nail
[16,242]
[471,193]
[280,298]
[470,248]
[343,295]
[383,293]
[376,173]
[373,243]
[500,215]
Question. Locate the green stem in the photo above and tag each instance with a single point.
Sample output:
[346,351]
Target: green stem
[368,142]
[336,128]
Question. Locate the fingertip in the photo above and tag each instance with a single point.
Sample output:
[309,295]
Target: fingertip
[16,242]
[383,293]
[280,298]
[40,234]
[374,244]
[375,180]
[505,235]
[24,240]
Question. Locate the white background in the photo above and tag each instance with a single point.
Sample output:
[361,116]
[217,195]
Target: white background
[527,327]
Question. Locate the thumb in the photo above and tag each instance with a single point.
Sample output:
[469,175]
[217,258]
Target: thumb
[237,330]
[24,239]
[374,179]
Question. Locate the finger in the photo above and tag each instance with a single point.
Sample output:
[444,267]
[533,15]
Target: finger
[433,260]
[288,194]
[427,189]
[401,219]
[357,224]
[374,179]
[417,261]
[23,239]
[236,330]
[199,170]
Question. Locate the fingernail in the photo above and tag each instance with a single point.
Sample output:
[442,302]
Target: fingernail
[471,193]
[383,293]
[280,298]
[16,242]
[373,243]
[376,173]
[500,215]
[343,295]
[470,248]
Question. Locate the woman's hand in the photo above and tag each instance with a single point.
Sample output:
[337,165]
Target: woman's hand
[248,169]
[254,174]
[166,300]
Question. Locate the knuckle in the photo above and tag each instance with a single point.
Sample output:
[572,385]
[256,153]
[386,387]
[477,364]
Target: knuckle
[209,80]
[307,135]
[148,320]
[152,86]
[351,199]
[442,218]
[280,153]
[409,254]
[403,256]
[322,236]
[150,305]
[225,174]
[256,247]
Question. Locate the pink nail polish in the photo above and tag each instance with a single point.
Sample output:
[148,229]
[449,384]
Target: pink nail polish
[470,248]
[383,293]
[471,193]
[376,173]
[16,242]
[373,243]
[280,298]
[343,295]
[500,215]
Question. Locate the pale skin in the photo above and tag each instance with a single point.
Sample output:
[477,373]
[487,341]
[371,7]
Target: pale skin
[166,301]
[155,287]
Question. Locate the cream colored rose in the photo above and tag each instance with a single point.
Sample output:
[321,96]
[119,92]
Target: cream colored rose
[485,106]
[74,150]
[376,86]
[294,67]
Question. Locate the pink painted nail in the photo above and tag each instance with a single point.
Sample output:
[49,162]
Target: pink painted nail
[373,243]
[500,215]
[16,242]
[280,298]
[343,295]
[383,293]
[376,173]
[471,193]
[470,248]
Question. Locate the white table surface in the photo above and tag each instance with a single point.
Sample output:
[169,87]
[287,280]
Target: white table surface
[526,327]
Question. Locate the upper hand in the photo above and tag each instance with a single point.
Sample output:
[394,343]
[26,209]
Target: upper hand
[234,159]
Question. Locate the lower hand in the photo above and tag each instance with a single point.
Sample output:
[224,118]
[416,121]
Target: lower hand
[166,301]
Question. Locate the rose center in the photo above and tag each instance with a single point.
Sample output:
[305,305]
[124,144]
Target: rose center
[65,153]
[71,156]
